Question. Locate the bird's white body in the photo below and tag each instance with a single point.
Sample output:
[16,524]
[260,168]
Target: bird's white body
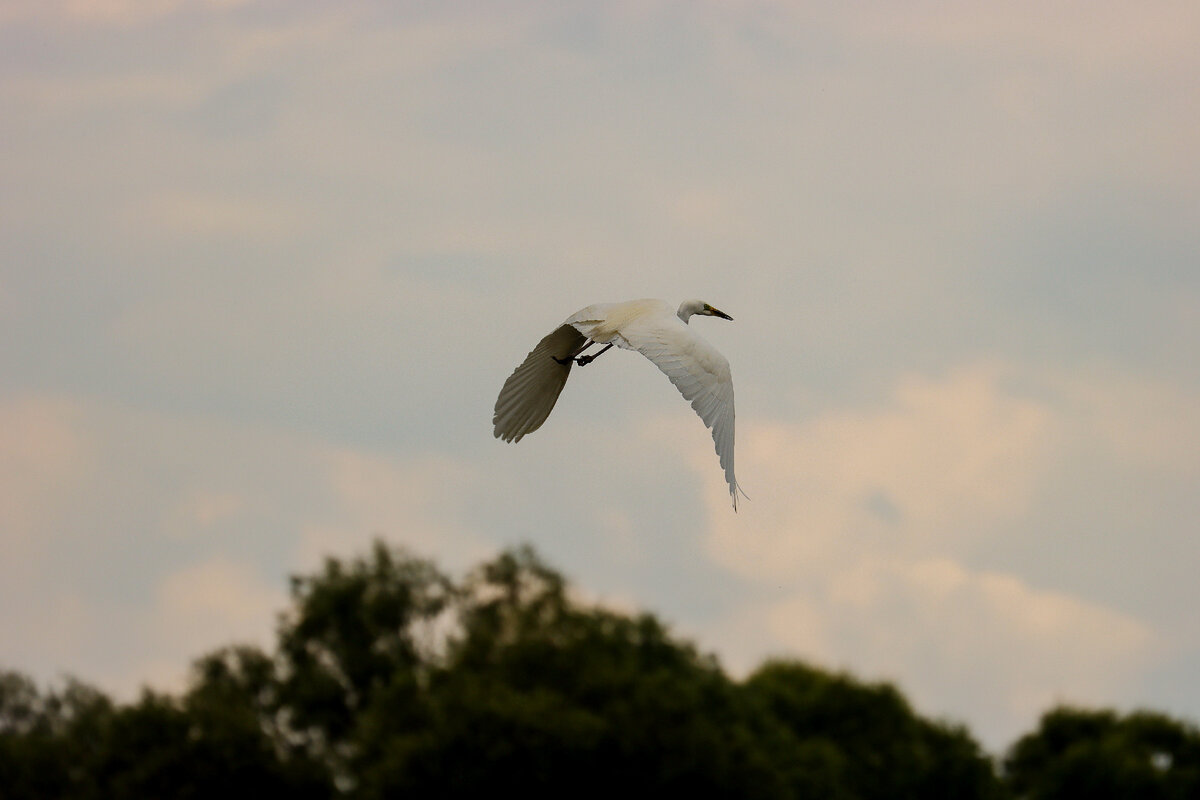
[652,328]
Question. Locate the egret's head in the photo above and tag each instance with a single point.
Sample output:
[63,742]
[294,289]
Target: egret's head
[690,307]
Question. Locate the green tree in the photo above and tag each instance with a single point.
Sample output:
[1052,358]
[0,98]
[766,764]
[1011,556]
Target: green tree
[839,738]
[1080,753]
[539,694]
[359,635]
[389,679]
[236,722]
[78,744]
[48,741]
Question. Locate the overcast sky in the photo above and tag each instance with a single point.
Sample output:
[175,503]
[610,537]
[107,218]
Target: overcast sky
[265,264]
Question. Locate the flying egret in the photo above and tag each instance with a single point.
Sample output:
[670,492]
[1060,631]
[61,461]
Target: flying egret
[652,328]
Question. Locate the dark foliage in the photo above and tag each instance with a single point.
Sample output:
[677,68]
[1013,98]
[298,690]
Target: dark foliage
[389,679]
[1078,753]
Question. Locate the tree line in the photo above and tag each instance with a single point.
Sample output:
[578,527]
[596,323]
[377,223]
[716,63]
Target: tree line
[388,678]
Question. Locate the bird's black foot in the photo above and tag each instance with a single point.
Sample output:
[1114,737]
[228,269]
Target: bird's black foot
[581,361]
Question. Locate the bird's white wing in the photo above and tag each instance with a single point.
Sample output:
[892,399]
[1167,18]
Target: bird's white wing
[700,373]
[531,391]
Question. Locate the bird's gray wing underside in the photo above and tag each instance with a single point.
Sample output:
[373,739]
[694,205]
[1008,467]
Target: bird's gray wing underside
[531,391]
[702,376]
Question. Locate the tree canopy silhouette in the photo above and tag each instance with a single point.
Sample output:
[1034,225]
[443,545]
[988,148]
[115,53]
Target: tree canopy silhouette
[1080,753]
[389,677]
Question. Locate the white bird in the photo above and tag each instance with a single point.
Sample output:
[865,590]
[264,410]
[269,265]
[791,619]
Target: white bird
[652,328]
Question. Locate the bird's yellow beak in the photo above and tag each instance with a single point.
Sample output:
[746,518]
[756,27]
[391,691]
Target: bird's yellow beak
[716,312]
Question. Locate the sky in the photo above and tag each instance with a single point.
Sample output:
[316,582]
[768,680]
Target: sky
[265,264]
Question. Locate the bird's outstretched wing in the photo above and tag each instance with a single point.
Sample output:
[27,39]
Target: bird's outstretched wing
[700,373]
[531,391]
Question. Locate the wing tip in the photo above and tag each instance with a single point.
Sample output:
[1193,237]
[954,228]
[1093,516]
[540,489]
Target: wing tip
[507,437]
[734,490]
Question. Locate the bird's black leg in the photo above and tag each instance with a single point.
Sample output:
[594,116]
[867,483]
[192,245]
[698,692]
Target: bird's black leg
[585,360]
[572,356]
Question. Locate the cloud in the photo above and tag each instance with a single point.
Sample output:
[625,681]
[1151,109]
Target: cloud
[944,630]
[941,458]
[134,541]
[194,217]
[199,510]
[122,645]
[1112,37]
[1144,422]
[199,608]
[43,453]
[417,500]
[867,527]
[106,12]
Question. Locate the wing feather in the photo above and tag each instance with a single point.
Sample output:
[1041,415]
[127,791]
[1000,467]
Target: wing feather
[529,394]
[699,372]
